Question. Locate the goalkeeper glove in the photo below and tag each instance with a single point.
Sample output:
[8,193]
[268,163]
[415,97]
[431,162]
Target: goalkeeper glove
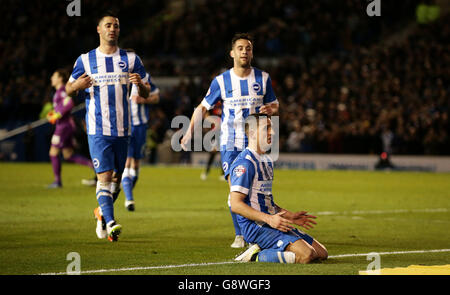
[52,117]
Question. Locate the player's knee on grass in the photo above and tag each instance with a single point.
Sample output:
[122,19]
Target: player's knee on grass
[320,249]
[304,253]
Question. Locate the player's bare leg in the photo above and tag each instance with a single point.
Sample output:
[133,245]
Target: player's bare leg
[304,253]
[320,249]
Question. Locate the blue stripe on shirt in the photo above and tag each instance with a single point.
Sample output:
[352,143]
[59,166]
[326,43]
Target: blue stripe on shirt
[98,110]
[245,113]
[259,80]
[227,83]
[244,87]
[111,97]
[262,203]
[112,109]
[126,108]
[230,125]
[109,64]
[124,58]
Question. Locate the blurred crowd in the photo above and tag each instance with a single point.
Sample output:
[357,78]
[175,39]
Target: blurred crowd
[342,88]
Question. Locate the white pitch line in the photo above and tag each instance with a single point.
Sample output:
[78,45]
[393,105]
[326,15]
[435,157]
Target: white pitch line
[393,211]
[235,262]
[390,253]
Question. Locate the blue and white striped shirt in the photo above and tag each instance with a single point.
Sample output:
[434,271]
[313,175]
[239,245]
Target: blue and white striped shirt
[240,97]
[140,111]
[107,101]
[252,175]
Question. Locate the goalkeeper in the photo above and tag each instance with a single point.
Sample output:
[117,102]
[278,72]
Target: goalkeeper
[63,137]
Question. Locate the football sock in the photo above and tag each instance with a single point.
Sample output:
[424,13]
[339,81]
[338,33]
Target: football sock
[115,190]
[134,174]
[272,255]
[78,159]
[105,200]
[127,185]
[56,165]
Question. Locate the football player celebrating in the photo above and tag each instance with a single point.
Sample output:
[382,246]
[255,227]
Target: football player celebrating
[103,75]
[263,223]
[242,90]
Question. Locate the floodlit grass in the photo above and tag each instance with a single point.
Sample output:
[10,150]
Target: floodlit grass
[180,219]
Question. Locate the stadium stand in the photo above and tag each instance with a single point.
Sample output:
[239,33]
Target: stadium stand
[343,88]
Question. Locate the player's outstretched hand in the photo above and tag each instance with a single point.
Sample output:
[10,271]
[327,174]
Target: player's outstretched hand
[277,221]
[304,220]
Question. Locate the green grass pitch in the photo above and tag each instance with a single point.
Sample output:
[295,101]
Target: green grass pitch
[180,219]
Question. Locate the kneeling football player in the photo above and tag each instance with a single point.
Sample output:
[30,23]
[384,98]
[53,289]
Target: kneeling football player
[264,224]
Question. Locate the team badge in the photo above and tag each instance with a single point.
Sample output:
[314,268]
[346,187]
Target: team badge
[256,87]
[239,170]
[225,166]
[122,64]
[96,163]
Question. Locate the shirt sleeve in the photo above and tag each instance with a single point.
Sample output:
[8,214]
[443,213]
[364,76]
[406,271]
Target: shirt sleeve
[242,174]
[212,96]
[154,88]
[269,97]
[139,67]
[78,70]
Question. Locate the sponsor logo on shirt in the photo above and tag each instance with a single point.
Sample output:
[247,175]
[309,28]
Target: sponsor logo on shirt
[239,170]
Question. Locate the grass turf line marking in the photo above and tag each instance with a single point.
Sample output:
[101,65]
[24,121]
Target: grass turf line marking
[362,212]
[235,262]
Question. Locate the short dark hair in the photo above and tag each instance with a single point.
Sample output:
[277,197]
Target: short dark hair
[105,14]
[64,74]
[257,117]
[237,36]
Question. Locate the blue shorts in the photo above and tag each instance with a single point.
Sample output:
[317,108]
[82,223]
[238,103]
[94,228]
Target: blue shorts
[108,152]
[269,238]
[227,158]
[138,138]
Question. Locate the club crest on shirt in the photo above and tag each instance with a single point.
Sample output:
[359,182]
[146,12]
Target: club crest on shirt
[122,64]
[239,170]
[256,87]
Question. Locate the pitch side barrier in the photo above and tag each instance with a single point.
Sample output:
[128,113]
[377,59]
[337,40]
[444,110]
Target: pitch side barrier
[348,162]
[31,141]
